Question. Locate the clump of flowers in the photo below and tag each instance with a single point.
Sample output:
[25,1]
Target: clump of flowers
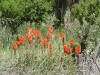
[21,39]
[51,28]
[72,41]
[48,41]
[15,47]
[78,49]
[44,43]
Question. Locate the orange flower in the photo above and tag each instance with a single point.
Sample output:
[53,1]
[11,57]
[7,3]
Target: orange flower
[72,41]
[67,49]
[62,59]
[18,42]
[50,47]
[35,33]
[14,46]
[22,39]
[77,49]
[65,44]
[29,29]
[45,43]
[54,34]
[31,33]
[48,36]
[51,28]
[62,36]
[29,38]
[39,36]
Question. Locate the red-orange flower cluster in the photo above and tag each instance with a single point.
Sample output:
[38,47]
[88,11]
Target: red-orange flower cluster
[61,36]
[18,43]
[77,49]
[51,28]
[29,37]
[36,33]
[44,43]
[67,49]
[72,41]
[15,46]
[48,36]
[32,34]
[50,47]
[29,29]
[22,39]
[39,36]
[65,44]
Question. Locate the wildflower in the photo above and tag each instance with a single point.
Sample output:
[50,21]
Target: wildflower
[39,36]
[61,36]
[50,47]
[67,49]
[48,36]
[77,49]
[29,29]
[22,39]
[29,38]
[44,43]
[18,42]
[51,28]
[14,46]
[35,33]
[31,33]
[65,44]
[62,59]
[72,41]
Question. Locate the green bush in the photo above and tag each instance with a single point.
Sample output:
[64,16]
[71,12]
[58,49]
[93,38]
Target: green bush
[37,11]
[88,11]
[11,12]
[15,12]
[88,14]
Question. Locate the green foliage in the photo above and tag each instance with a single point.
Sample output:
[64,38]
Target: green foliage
[15,12]
[88,11]
[88,15]
[12,11]
[12,8]
[37,11]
